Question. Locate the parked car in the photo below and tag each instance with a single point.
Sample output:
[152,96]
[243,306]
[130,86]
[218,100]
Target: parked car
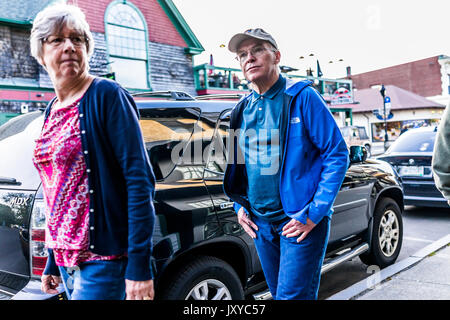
[199,249]
[411,156]
[357,136]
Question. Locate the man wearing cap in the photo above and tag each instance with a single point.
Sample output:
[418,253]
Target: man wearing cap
[286,183]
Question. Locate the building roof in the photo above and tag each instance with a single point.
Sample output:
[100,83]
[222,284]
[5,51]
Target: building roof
[422,77]
[21,12]
[371,99]
[194,45]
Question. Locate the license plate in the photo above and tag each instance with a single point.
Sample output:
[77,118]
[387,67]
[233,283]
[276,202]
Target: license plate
[411,171]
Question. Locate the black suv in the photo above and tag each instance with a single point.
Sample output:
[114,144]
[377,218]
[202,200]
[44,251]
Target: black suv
[200,251]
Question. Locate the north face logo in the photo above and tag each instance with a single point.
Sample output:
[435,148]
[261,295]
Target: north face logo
[295,120]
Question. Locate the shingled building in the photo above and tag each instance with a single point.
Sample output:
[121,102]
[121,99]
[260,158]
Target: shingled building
[146,45]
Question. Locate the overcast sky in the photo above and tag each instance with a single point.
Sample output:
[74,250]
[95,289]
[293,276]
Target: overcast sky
[366,34]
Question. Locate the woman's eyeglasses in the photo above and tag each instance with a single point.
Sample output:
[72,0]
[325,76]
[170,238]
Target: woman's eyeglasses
[56,41]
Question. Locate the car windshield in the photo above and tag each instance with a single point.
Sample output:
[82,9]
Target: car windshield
[17,141]
[362,133]
[419,141]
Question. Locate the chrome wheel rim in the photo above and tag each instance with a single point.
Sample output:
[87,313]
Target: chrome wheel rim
[389,233]
[210,289]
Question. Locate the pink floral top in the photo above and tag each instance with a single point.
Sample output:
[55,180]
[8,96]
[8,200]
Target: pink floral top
[59,159]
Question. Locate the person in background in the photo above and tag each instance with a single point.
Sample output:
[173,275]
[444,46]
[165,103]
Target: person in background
[96,177]
[286,183]
[441,156]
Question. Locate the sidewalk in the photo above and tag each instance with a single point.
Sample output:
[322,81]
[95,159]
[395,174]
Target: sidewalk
[424,275]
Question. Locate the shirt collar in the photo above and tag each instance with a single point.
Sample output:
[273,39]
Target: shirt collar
[272,92]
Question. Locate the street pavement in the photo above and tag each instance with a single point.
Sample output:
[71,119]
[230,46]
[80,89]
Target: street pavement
[425,275]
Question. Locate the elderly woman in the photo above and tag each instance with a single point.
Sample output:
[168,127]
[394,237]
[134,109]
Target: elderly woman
[96,177]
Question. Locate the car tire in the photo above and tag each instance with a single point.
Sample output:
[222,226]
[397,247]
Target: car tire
[204,278]
[387,234]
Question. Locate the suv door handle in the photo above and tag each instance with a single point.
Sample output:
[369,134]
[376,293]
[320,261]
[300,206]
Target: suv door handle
[226,205]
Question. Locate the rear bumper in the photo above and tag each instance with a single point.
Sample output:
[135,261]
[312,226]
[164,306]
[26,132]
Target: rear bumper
[423,193]
[32,291]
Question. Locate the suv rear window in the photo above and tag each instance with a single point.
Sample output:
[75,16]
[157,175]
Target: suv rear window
[414,142]
[17,142]
[17,124]
[166,134]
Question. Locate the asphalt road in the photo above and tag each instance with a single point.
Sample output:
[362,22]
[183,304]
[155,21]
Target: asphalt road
[421,226]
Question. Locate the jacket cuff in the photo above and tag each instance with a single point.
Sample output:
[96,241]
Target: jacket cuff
[138,268]
[306,213]
[50,267]
[300,216]
[237,207]
[316,218]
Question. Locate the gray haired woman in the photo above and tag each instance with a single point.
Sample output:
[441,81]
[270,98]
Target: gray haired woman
[96,176]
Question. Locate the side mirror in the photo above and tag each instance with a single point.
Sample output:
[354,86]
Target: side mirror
[358,154]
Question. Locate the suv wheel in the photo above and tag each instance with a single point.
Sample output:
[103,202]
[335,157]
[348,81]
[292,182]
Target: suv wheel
[387,234]
[204,278]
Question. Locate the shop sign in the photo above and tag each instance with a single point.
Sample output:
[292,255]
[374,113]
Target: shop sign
[341,96]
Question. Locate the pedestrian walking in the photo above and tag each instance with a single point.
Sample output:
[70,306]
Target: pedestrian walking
[286,183]
[441,156]
[97,181]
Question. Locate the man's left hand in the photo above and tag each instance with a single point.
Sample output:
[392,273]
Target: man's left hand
[139,290]
[295,228]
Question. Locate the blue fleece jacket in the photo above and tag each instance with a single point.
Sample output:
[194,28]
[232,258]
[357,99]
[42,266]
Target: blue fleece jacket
[314,156]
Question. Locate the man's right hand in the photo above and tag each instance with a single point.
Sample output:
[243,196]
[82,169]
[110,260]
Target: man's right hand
[246,223]
[49,283]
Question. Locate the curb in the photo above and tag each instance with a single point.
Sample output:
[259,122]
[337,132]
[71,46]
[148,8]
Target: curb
[370,282]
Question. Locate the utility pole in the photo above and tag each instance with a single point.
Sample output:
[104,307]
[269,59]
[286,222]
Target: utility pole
[382,91]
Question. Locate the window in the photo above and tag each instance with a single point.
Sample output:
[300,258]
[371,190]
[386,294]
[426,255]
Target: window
[166,136]
[217,152]
[396,128]
[420,141]
[126,36]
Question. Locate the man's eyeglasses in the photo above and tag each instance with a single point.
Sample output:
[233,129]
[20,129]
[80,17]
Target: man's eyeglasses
[56,41]
[256,52]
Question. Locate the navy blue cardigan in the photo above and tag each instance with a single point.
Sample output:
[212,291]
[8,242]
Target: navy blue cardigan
[121,180]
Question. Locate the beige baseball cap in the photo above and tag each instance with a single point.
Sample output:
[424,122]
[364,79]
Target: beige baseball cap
[257,33]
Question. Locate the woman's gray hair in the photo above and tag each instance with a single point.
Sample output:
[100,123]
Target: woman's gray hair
[52,20]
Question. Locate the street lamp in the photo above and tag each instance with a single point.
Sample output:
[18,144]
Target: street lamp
[382,91]
[309,71]
[307,60]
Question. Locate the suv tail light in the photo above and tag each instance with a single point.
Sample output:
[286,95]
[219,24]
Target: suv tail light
[38,252]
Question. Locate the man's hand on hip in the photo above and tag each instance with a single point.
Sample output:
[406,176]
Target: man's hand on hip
[246,223]
[295,228]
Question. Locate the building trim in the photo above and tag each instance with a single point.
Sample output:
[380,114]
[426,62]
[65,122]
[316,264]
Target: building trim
[28,88]
[194,45]
[16,23]
[25,24]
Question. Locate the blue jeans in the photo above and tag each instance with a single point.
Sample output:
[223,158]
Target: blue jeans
[291,269]
[95,280]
